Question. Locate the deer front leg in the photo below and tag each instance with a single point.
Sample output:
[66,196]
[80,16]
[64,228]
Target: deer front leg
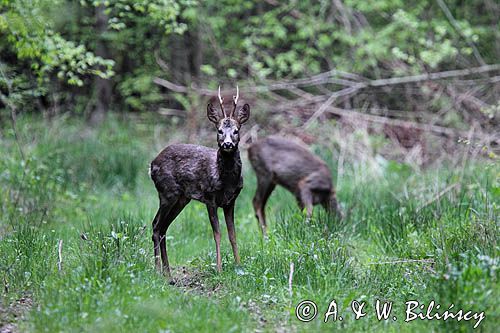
[306,200]
[229,217]
[214,221]
[264,189]
[331,205]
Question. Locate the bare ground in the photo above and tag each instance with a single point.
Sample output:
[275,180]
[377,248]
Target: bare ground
[13,313]
[190,280]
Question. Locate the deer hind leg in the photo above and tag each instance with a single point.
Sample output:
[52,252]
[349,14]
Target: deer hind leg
[157,233]
[265,187]
[165,216]
[172,214]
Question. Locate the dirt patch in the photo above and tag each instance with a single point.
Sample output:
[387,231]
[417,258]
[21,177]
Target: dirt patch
[191,279]
[257,315]
[11,315]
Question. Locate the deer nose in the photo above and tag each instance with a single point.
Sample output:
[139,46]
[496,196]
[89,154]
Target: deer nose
[227,145]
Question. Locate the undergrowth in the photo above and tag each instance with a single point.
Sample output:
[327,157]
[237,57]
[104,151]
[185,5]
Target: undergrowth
[89,189]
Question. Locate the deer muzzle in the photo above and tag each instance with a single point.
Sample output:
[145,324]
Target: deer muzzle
[228,145]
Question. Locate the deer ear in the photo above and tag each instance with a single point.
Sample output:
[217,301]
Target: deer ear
[212,114]
[243,114]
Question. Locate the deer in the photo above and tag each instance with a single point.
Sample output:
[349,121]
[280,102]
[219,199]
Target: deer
[280,161]
[185,172]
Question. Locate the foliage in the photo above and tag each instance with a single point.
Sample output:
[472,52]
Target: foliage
[404,237]
[162,13]
[34,43]
[28,33]
[214,41]
[290,40]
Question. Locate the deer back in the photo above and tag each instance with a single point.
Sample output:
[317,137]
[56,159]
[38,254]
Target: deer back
[289,163]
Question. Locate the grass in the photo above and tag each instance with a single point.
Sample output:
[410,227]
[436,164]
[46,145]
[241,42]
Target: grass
[90,189]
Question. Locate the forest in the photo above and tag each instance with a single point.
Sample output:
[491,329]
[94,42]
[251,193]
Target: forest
[399,100]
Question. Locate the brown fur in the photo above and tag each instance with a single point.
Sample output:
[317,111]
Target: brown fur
[185,172]
[279,161]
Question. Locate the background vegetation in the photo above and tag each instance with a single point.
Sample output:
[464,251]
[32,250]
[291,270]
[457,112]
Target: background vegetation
[400,99]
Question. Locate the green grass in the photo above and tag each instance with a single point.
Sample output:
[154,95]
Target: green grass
[92,183]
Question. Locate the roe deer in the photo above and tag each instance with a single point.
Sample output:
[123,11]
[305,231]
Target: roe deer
[277,160]
[182,172]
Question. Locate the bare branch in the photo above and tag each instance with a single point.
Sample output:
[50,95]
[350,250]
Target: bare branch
[455,25]
[438,196]
[172,112]
[353,84]
[339,6]
[294,13]
[169,85]
[403,261]
[443,131]
[59,252]
[396,81]
[323,78]
[434,76]
[330,100]
[331,77]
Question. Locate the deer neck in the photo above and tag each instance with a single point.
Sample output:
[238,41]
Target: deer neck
[229,164]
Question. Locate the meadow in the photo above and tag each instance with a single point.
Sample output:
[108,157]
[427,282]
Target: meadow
[409,234]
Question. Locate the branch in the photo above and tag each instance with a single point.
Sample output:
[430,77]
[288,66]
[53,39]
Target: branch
[160,62]
[172,112]
[440,130]
[438,196]
[169,85]
[434,76]
[399,80]
[294,13]
[59,254]
[455,25]
[343,15]
[403,261]
[330,100]
[352,80]
[322,78]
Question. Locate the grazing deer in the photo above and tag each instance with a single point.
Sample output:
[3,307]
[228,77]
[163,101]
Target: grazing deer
[277,160]
[182,172]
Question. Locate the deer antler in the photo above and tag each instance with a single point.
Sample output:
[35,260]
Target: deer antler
[235,100]
[221,102]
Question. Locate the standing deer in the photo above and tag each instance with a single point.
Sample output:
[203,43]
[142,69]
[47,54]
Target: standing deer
[182,172]
[277,160]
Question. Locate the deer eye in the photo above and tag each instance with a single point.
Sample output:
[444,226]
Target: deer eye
[220,131]
[235,132]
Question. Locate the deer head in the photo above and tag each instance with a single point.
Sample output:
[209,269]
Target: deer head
[228,126]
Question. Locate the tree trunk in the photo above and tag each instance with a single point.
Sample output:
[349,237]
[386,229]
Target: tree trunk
[179,59]
[102,87]
[195,44]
